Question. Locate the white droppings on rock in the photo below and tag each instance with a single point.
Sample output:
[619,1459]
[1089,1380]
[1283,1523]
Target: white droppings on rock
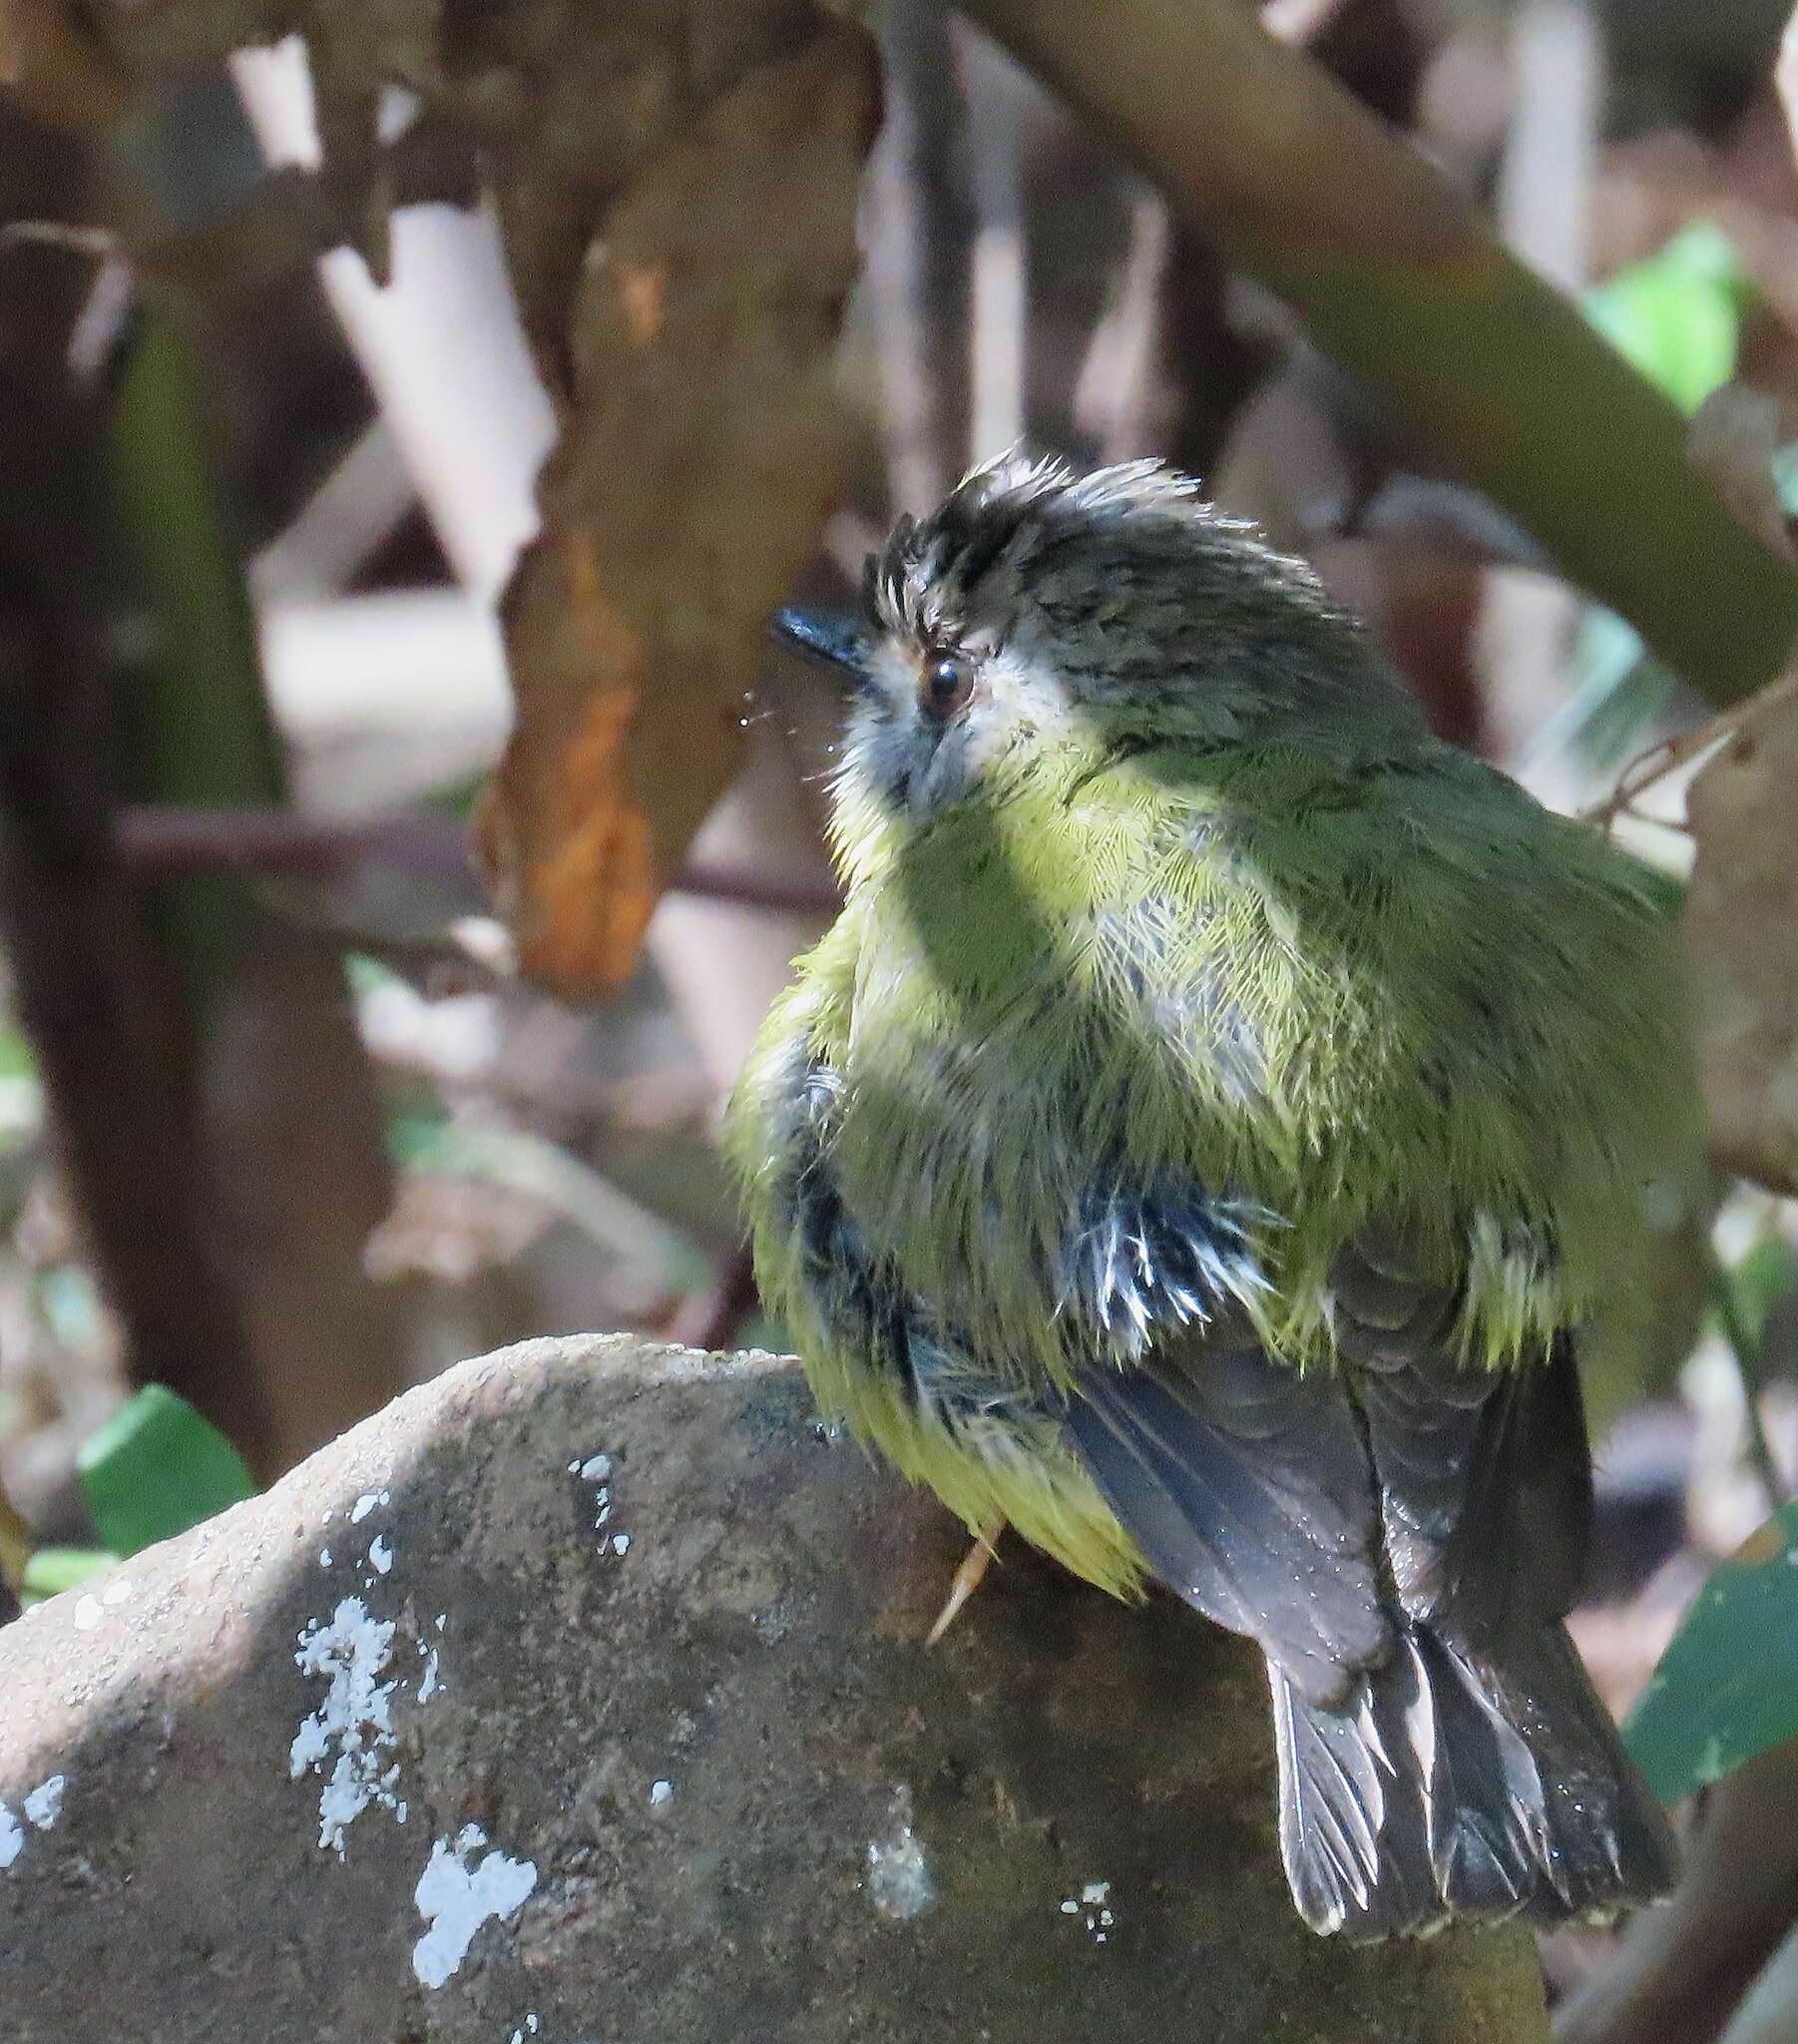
[117,1592]
[1090,1903]
[441,1620]
[430,1682]
[455,1897]
[899,1879]
[324,1557]
[366,1505]
[89,1611]
[45,1802]
[380,1555]
[43,1806]
[355,1722]
[661,1793]
[597,1470]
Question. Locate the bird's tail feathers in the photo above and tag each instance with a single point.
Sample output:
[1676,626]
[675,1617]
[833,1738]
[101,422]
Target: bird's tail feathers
[1444,1787]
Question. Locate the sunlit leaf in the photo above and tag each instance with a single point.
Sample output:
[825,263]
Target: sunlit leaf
[697,467]
[52,1570]
[1677,314]
[156,1468]
[1726,1688]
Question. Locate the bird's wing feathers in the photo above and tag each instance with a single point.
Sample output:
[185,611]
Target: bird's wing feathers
[1248,1488]
[1316,1511]
[1485,1489]
[1485,1477]
[1401,1535]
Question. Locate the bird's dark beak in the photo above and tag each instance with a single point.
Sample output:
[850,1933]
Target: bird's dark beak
[835,639]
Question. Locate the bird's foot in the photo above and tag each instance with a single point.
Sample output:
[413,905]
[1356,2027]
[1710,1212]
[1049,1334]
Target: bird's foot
[967,1580]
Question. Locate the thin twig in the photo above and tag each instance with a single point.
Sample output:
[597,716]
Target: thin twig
[169,841]
[1667,756]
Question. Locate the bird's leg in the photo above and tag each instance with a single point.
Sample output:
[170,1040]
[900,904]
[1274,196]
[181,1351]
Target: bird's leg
[967,1580]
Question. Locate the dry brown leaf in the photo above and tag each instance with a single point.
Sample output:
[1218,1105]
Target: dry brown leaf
[53,70]
[1742,927]
[696,468]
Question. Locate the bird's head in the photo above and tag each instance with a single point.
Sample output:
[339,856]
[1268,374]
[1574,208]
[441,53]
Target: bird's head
[1042,620]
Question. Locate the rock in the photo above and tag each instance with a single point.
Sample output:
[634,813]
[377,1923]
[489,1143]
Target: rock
[582,1694]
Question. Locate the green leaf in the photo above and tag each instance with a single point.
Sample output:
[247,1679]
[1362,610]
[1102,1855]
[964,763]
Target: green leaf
[156,1468]
[52,1570]
[1726,1690]
[1761,1279]
[1677,315]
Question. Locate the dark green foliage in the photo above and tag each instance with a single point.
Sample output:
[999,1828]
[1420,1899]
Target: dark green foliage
[1726,1690]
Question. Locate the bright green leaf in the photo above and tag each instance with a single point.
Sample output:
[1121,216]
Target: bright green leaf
[1726,1690]
[1677,314]
[156,1468]
[52,1570]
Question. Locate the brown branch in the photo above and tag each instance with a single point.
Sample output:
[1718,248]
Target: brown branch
[175,843]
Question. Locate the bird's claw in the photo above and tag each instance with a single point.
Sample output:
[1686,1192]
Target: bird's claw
[967,1580]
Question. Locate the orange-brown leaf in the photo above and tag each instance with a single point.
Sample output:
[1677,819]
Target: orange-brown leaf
[697,465]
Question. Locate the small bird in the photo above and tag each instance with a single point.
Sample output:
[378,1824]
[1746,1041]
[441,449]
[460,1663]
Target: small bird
[1205,1138]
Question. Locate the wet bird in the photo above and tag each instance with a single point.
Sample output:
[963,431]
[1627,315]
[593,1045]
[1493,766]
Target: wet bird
[1206,1138]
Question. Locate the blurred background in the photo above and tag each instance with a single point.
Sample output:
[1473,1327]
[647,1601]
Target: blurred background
[283,1127]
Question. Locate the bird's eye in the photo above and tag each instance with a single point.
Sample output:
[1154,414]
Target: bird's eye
[945,685]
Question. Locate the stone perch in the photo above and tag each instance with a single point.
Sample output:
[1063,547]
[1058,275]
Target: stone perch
[582,1696]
